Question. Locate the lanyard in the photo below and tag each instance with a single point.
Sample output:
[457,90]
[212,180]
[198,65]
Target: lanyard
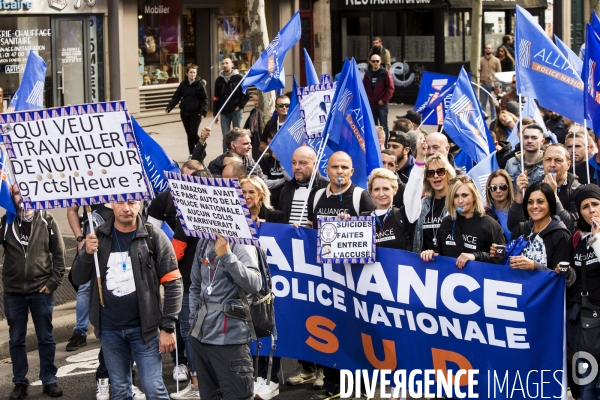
[379,223]
[123,260]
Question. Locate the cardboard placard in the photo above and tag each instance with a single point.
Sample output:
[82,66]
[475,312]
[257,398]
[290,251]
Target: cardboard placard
[346,241]
[75,155]
[315,103]
[206,206]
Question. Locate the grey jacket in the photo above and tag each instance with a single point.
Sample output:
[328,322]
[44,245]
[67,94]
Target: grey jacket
[153,314]
[217,327]
[44,264]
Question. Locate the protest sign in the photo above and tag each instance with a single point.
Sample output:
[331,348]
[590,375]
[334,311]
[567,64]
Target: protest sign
[75,155]
[207,206]
[346,241]
[315,103]
[401,313]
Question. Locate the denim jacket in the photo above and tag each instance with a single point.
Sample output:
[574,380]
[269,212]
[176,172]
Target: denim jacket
[513,168]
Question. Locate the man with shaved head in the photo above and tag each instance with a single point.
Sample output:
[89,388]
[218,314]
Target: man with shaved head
[437,143]
[295,192]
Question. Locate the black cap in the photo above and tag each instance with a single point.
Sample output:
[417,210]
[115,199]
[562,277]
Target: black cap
[413,117]
[400,137]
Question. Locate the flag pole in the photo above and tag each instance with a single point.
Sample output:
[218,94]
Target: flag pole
[260,158]
[313,175]
[423,121]
[520,133]
[88,209]
[587,161]
[226,101]
[574,136]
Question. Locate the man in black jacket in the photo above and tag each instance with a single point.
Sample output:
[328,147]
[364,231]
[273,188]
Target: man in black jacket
[225,86]
[34,264]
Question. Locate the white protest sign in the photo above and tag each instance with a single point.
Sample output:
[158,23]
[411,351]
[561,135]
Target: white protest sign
[206,206]
[315,103]
[75,155]
[346,241]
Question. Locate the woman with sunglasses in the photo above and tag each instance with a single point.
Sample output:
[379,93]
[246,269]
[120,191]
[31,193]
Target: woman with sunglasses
[467,233]
[430,178]
[499,197]
[548,237]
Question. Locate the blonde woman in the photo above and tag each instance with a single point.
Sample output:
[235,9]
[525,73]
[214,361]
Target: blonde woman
[258,200]
[467,233]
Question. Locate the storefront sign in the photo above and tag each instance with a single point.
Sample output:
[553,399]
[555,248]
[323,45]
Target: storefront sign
[93,60]
[353,4]
[156,10]
[54,6]
[16,5]
[15,46]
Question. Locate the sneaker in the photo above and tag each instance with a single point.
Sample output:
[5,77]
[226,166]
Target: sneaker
[19,392]
[267,392]
[137,393]
[301,377]
[319,377]
[52,390]
[190,392]
[180,373]
[77,341]
[103,389]
[258,383]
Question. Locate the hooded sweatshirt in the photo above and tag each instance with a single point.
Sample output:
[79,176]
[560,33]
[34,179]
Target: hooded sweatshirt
[224,86]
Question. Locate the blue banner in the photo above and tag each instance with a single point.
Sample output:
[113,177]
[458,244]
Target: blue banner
[591,75]
[6,200]
[288,138]
[402,313]
[435,89]
[312,78]
[30,94]
[543,71]
[267,72]
[575,61]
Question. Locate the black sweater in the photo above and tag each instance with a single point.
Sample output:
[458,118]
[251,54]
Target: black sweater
[556,237]
[396,231]
[474,235]
[194,99]
[584,256]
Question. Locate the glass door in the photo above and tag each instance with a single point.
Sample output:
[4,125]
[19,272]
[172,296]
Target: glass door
[71,57]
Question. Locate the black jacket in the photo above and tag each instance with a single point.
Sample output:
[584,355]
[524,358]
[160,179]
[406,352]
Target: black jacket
[271,215]
[396,233]
[287,193]
[222,91]
[194,99]
[556,237]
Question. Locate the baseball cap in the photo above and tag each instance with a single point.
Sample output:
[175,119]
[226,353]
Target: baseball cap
[412,116]
[400,137]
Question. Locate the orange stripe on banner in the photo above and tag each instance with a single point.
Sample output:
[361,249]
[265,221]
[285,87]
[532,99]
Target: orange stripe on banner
[171,276]
[544,69]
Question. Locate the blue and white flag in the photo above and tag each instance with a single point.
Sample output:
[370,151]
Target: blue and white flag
[463,161]
[591,75]
[543,72]
[154,159]
[531,110]
[350,126]
[312,78]
[575,61]
[435,89]
[30,94]
[465,122]
[482,170]
[267,72]
[6,200]
[294,100]
[289,137]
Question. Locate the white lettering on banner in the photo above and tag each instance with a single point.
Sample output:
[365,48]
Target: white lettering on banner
[80,156]
[499,300]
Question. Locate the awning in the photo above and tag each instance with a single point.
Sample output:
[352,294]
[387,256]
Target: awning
[500,4]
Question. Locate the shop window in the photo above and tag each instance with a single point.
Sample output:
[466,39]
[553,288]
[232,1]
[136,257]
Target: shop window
[159,42]
[494,27]
[457,37]
[385,26]
[419,45]
[18,35]
[356,38]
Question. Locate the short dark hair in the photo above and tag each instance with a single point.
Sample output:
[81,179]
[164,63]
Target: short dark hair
[403,125]
[191,66]
[376,38]
[202,173]
[506,39]
[534,126]
[193,165]
[546,191]
[234,134]
[283,96]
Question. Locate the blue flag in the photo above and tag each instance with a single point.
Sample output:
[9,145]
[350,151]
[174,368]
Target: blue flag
[531,110]
[289,137]
[575,61]
[154,158]
[267,72]
[294,100]
[465,123]
[6,200]
[167,230]
[595,21]
[312,78]
[482,170]
[435,88]
[350,127]
[543,71]
[30,94]
[463,161]
[592,77]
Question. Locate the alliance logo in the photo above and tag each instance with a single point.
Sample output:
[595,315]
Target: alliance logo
[525,53]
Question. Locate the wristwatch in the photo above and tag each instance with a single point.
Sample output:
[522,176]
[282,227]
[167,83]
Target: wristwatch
[167,329]
[79,239]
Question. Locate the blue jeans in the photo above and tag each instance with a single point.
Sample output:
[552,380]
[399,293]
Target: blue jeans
[117,346]
[484,98]
[16,307]
[233,118]
[589,391]
[184,326]
[380,117]
[82,309]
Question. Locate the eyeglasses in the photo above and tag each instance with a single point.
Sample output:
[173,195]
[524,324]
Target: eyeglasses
[493,188]
[440,172]
[462,178]
[283,105]
[375,61]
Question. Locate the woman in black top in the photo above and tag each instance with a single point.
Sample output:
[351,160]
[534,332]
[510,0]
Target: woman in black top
[467,233]
[194,104]
[258,200]
[507,62]
[390,222]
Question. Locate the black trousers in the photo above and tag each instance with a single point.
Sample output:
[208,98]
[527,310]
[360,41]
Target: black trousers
[224,371]
[191,123]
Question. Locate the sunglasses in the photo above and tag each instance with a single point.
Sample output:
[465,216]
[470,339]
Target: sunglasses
[440,172]
[503,187]
[283,105]
[463,179]
[375,61]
